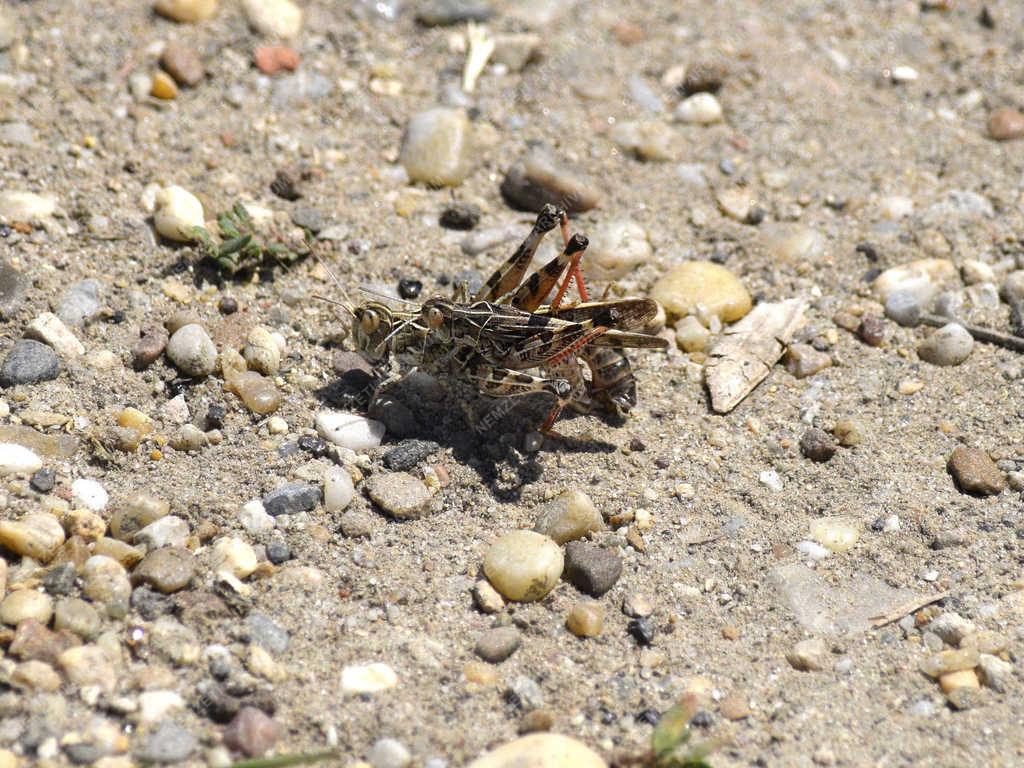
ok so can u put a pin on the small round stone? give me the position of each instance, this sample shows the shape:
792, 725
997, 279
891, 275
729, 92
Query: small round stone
437, 147
186, 11
543, 750
401, 495
523, 565
274, 18
77, 616
496, 645
26, 604
809, 655
291, 499
817, 445
872, 331
591, 568
178, 211
903, 307
693, 284
540, 178
251, 732
700, 109
16, 459
38, 536
569, 516
105, 581
461, 216
389, 753
586, 619
278, 552
642, 630
235, 556
1006, 124
836, 534
29, 362
192, 351
338, 489
227, 305
975, 472
183, 64
349, 430
949, 345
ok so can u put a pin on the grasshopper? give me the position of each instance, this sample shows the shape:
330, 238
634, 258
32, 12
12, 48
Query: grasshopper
497, 336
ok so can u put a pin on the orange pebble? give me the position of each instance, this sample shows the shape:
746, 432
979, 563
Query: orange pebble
273, 58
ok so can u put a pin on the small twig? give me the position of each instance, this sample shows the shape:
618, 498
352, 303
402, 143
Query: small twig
909, 607
1005, 340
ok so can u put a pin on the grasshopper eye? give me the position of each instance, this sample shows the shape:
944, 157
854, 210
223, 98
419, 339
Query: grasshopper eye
435, 317
370, 321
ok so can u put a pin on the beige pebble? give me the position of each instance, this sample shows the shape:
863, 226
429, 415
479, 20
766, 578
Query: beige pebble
38, 536
177, 212
694, 285
569, 516
187, 11
541, 750
26, 604
836, 534
523, 565
586, 619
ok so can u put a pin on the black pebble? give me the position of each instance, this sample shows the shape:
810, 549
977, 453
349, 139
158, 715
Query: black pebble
227, 305
43, 480
869, 251
649, 716
642, 631
409, 288
702, 719
60, 580
460, 216
215, 416
313, 445
278, 552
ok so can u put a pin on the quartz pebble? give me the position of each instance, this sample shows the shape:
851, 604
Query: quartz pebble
496, 645
187, 11
78, 616
895, 207
975, 472
569, 516
274, 18
89, 494
18, 460
487, 598
523, 565
691, 335
81, 304
33, 675
700, 109
921, 279
937, 664
135, 514
617, 247
170, 743
105, 581
995, 673
26, 604
26, 206
952, 628
437, 148
836, 534
803, 360
585, 619
389, 753
257, 392
177, 212
183, 64
541, 750
646, 140
349, 430
591, 568
262, 351
29, 362
539, 178
401, 495
50, 329
163, 87
792, 244
88, 665
251, 732
1006, 124
165, 532
809, 655
235, 556
702, 286
192, 352
367, 678
167, 570
903, 307
38, 536
338, 489
949, 345
155, 706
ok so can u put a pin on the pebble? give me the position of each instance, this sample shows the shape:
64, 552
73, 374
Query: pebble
349, 430
235, 556
895, 207
1006, 124
792, 244
104, 580
409, 453
651, 140
459, 215
26, 604
437, 148
262, 351
836, 534
192, 351
278, 552
257, 393
809, 655
541, 750
699, 109
81, 304
356, 524
401, 495
169, 531
586, 619
26, 206
89, 494
88, 665
937, 664
975, 472
951, 628
186, 11
183, 64
50, 329
78, 616
617, 247
291, 499
691, 335
177, 212
486, 598
18, 460
271, 59
59, 580
35, 676
367, 678
446, 13
995, 673
167, 570
37, 535
338, 489
702, 286
496, 645
849, 432
921, 279
135, 514
29, 362
737, 203
251, 732
523, 565
903, 307
871, 331
169, 743
735, 706
12, 290
539, 178
803, 360
569, 516
274, 18
591, 568
949, 345
961, 678
817, 445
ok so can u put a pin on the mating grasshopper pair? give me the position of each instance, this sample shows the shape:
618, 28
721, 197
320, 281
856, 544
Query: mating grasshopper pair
496, 336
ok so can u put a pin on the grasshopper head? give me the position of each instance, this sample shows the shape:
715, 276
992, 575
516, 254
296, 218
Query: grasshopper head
434, 316
372, 324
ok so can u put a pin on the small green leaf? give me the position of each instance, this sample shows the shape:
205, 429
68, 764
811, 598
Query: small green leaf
672, 729
234, 245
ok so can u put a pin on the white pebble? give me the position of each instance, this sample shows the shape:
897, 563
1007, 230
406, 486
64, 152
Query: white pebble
895, 207
274, 18
388, 753
254, 518
177, 212
338, 489
949, 345
154, 706
89, 494
349, 430
166, 532
367, 678
904, 74
17, 459
50, 329
276, 425
616, 248
26, 206
192, 351
837, 534
234, 556
701, 108
186, 11
812, 550
770, 479
523, 565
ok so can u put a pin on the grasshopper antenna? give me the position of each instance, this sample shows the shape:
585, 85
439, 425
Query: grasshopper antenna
346, 303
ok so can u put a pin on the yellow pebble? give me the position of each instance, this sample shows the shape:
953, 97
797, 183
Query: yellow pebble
163, 87
156, 455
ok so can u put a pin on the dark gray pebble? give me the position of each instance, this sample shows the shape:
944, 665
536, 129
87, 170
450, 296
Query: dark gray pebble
29, 362
291, 499
592, 569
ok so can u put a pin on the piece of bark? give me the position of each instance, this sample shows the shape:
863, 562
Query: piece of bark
744, 355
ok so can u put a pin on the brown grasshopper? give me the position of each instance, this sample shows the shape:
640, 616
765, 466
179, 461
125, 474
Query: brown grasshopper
502, 332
